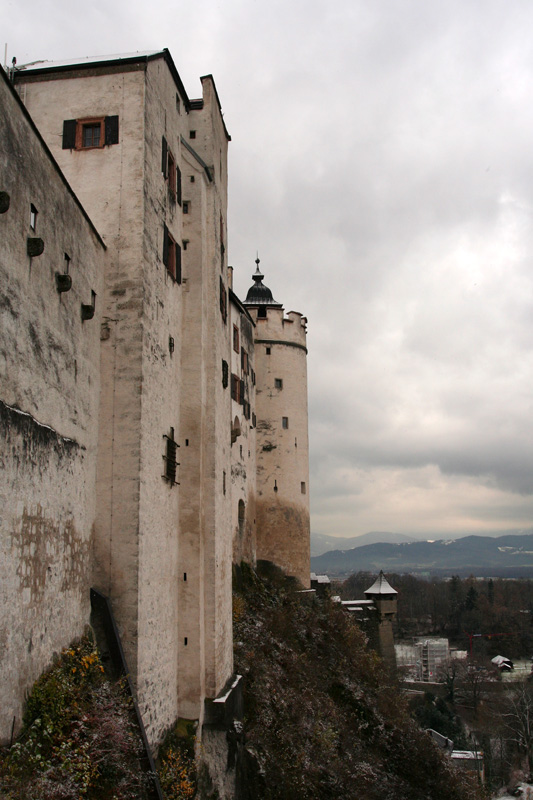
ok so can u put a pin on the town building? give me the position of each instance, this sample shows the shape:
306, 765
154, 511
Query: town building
138, 401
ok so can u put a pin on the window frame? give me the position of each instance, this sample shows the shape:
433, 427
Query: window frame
236, 339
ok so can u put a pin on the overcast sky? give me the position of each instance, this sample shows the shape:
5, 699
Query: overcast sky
382, 164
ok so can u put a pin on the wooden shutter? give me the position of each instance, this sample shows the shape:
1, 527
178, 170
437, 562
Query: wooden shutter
178, 184
111, 130
164, 158
69, 134
241, 392
178, 263
165, 245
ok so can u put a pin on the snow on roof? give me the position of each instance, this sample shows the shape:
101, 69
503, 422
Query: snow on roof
467, 754
381, 586
74, 62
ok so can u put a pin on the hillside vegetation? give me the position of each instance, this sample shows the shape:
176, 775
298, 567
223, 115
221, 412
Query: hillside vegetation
323, 719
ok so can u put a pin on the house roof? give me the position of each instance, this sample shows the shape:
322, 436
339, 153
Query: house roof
119, 59
381, 586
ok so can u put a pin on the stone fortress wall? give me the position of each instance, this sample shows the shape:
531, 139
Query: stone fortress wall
131, 457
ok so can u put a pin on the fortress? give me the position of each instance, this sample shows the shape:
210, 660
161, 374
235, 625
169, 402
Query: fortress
153, 426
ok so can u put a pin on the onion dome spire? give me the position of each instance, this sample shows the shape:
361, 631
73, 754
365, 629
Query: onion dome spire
259, 294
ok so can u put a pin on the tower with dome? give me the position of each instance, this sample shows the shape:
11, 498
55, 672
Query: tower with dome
282, 443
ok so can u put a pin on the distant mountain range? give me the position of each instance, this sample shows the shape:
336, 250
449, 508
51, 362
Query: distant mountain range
321, 543
505, 556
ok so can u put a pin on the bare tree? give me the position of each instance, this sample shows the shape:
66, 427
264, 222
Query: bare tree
517, 716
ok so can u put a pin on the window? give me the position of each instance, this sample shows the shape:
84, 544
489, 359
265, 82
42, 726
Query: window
244, 361
171, 256
285, 422
303, 487
261, 312
241, 513
170, 458
33, 217
90, 133
171, 174
236, 385
185, 244
224, 482
254, 420
268, 351
192, 134
278, 383
171, 171
223, 301
225, 374
236, 338
186, 207
191, 178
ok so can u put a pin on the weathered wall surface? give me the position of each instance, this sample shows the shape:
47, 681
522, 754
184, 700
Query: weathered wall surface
103, 178
282, 442
213, 548
243, 448
49, 367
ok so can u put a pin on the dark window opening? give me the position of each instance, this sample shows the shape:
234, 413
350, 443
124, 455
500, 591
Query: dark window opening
268, 351
285, 422
303, 487
224, 482
236, 338
262, 312
184, 576
186, 206
225, 374
170, 458
192, 134
223, 301
185, 243
33, 217
242, 516
191, 178
278, 383
185, 640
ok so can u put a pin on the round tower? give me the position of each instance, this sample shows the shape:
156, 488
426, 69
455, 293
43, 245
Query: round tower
282, 437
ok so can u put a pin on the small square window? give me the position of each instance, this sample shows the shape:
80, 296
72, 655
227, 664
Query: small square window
268, 351
261, 312
278, 383
285, 422
192, 134
191, 178
33, 217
